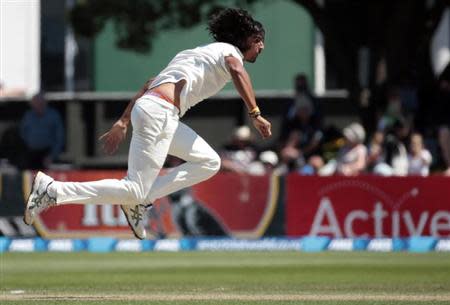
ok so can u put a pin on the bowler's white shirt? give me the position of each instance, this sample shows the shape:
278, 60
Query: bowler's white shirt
203, 69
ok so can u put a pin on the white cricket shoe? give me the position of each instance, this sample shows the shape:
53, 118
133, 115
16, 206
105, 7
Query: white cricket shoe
39, 199
136, 217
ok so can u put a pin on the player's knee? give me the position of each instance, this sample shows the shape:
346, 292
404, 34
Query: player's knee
213, 163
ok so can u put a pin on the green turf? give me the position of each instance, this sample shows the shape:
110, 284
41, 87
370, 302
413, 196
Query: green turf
225, 278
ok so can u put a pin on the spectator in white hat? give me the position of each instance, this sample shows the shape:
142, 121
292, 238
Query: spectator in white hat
351, 159
240, 152
266, 164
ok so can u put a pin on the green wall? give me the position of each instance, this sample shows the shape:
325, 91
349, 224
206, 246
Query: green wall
289, 50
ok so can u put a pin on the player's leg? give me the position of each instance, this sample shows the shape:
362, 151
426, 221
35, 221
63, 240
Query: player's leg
138, 159
202, 162
153, 129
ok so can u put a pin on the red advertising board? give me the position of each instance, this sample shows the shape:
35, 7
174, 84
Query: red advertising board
241, 205
367, 206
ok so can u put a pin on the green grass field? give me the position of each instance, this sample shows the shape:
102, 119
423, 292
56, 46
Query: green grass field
225, 278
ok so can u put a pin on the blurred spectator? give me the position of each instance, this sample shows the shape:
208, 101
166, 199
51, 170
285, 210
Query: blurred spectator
352, 157
409, 98
303, 96
266, 164
419, 158
375, 150
304, 138
443, 121
240, 152
269, 159
291, 156
331, 143
395, 157
392, 113
42, 131
313, 166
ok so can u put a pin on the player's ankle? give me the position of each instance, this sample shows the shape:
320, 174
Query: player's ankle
52, 190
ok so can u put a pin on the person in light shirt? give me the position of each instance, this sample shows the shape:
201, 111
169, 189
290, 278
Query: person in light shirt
192, 76
419, 158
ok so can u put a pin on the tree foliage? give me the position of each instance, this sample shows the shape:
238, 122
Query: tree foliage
398, 32
137, 22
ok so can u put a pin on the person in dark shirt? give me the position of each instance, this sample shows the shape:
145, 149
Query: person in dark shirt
443, 121
42, 131
304, 137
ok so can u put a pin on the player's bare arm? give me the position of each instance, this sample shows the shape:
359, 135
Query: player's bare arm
112, 138
243, 84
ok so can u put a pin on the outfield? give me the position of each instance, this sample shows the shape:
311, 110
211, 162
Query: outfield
225, 278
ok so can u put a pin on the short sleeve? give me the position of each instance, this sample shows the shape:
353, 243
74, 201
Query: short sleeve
226, 50
230, 50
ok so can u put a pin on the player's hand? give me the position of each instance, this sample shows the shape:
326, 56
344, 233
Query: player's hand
263, 126
114, 137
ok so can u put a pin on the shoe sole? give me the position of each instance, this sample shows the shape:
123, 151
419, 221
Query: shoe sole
27, 219
129, 224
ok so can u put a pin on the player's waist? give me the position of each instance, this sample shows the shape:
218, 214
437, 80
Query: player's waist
156, 98
155, 92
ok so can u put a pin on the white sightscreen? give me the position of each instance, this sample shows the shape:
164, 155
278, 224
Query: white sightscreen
20, 45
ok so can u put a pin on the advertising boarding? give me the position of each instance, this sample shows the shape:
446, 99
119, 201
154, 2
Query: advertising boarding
368, 206
226, 205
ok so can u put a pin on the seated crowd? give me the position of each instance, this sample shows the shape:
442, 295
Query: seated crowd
396, 146
385, 154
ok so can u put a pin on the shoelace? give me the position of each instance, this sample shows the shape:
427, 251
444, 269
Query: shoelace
40, 198
137, 213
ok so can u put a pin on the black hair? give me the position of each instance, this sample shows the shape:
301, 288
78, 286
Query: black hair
234, 26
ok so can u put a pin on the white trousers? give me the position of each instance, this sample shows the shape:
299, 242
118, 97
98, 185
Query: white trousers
157, 132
